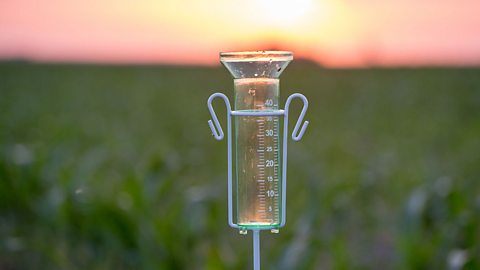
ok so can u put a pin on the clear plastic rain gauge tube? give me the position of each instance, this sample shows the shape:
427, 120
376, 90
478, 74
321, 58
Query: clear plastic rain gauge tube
257, 155
258, 152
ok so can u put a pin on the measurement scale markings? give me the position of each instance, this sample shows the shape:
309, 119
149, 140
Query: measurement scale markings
263, 130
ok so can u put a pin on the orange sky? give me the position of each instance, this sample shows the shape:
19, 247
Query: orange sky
336, 33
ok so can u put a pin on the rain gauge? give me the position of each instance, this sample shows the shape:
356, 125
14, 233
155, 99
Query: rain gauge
258, 151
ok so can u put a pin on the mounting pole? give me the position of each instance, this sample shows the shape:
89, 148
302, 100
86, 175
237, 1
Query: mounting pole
256, 250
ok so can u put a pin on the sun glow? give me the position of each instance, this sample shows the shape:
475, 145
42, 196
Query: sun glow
285, 12
335, 33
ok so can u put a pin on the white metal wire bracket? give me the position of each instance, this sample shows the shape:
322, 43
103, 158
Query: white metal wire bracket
297, 135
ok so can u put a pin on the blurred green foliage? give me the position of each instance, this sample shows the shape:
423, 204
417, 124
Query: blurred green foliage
106, 167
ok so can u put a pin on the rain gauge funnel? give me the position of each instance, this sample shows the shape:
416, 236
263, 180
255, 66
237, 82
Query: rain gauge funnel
264, 64
257, 187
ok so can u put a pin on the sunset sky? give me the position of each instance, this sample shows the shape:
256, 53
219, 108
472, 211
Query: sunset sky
335, 33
